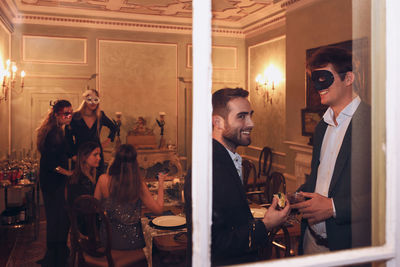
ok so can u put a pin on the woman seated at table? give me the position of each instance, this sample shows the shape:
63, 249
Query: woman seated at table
83, 179
122, 192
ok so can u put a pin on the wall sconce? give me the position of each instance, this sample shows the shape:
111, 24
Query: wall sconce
9, 76
266, 82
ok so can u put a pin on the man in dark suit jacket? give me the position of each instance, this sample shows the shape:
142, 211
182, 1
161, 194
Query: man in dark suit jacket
337, 214
235, 234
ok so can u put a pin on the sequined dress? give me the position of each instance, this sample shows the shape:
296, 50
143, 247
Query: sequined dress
126, 226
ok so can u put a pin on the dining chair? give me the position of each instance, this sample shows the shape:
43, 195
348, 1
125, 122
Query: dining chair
87, 243
279, 241
249, 174
275, 183
264, 163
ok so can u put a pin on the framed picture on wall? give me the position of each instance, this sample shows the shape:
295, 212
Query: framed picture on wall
309, 120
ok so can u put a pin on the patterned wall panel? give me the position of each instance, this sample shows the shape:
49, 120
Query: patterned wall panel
55, 50
269, 118
145, 76
223, 57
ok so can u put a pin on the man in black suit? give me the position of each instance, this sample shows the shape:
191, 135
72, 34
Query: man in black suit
236, 235
337, 212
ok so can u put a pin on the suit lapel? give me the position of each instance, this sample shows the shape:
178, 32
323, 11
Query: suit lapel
319, 137
226, 158
342, 158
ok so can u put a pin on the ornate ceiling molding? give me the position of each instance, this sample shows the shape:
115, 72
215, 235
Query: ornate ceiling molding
262, 14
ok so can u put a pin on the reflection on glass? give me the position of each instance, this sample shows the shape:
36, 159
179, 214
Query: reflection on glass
335, 86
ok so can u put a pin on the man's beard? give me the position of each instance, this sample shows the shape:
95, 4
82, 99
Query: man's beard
233, 137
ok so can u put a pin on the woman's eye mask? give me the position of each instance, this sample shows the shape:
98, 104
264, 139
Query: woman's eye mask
322, 79
92, 100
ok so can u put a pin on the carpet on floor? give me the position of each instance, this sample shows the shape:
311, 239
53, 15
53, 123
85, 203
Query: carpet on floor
26, 250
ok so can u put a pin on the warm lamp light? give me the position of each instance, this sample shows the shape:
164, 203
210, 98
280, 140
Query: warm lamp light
266, 82
9, 76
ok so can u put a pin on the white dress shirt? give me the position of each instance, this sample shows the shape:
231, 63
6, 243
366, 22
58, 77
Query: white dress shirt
237, 160
330, 148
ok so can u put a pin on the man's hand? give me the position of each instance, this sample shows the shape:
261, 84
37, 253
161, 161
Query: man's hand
274, 217
317, 209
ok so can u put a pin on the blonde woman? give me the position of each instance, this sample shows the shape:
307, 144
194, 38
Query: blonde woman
53, 149
86, 125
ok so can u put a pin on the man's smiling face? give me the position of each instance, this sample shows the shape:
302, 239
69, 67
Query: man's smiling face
238, 123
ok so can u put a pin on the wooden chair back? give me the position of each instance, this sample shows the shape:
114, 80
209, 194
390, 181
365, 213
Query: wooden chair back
280, 240
275, 183
265, 162
249, 175
85, 214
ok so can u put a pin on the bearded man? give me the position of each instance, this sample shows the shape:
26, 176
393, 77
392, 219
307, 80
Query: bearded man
236, 235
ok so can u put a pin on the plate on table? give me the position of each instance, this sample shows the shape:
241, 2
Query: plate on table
258, 213
169, 222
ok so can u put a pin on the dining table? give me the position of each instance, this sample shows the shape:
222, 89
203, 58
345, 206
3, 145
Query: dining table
173, 210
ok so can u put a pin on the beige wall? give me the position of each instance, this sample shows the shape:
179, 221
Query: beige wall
125, 81
314, 25
269, 117
138, 75
4, 105
322, 23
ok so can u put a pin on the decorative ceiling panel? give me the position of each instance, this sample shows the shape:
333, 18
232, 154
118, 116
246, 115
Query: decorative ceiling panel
228, 10
234, 18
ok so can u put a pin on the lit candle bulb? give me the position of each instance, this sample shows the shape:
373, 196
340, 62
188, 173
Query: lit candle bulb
22, 78
14, 71
8, 75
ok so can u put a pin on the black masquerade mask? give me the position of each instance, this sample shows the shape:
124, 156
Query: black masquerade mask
322, 79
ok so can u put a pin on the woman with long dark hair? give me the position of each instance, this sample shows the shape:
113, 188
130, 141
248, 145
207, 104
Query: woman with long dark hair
54, 151
83, 179
86, 125
122, 192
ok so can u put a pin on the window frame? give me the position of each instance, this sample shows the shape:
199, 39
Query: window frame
384, 16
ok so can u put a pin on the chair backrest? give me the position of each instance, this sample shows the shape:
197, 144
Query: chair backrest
85, 213
279, 239
265, 162
275, 183
249, 175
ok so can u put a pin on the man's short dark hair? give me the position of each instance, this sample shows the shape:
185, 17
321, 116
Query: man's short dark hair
340, 58
221, 98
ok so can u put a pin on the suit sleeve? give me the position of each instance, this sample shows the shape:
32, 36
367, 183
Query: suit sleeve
228, 239
110, 125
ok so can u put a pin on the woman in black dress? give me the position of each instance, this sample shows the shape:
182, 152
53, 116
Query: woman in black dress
53, 149
86, 125
83, 179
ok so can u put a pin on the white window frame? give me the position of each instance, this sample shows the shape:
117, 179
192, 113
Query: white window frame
202, 149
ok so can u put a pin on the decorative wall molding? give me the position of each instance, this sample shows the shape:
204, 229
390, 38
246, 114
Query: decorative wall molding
6, 15
302, 162
275, 166
50, 45
58, 77
102, 24
232, 49
274, 152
